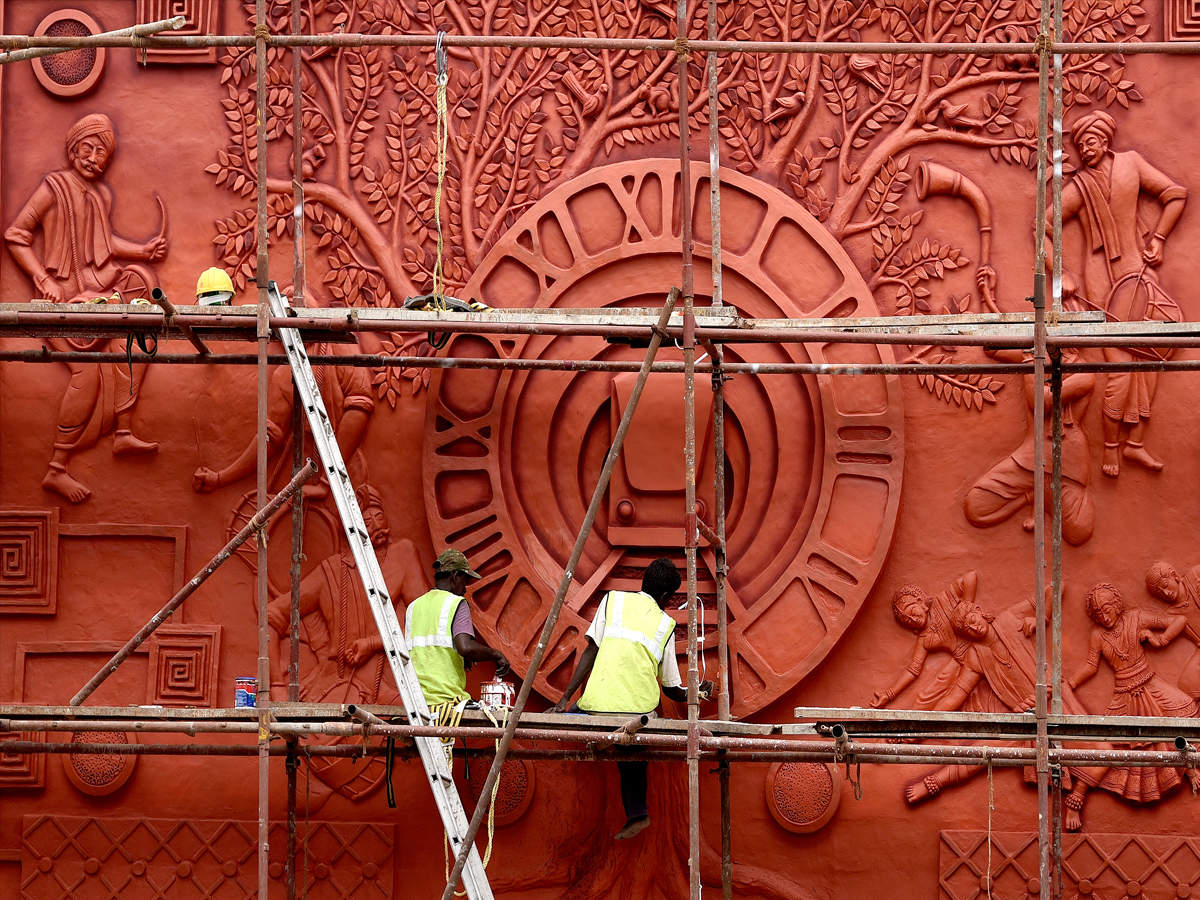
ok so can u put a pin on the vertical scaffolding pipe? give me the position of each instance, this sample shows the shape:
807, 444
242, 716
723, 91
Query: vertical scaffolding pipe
589, 518
691, 531
1056, 418
263, 700
293, 760
718, 389
1042, 765
1056, 399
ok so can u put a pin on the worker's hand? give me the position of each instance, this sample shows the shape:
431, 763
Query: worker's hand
502, 666
706, 690
205, 480
561, 705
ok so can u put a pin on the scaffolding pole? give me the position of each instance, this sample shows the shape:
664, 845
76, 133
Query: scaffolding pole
599, 44
691, 745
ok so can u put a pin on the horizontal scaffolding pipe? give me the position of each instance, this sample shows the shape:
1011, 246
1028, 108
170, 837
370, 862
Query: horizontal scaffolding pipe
634, 44
33, 323
134, 33
806, 748
368, 360
599, 750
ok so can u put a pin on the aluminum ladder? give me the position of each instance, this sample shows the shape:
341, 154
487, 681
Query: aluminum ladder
445, 794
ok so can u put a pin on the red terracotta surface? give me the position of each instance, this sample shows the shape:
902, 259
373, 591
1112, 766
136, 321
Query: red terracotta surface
856, 185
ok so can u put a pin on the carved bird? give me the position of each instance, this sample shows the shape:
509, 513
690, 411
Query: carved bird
862, 66
591, 100
786, 106
955, 115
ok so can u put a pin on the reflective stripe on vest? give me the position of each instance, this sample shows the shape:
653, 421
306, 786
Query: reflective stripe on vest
625, 675
427, 624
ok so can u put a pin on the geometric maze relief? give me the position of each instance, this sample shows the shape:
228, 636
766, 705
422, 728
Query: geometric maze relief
1181, 20
183, 665
200, 17
28, 561
1095, 866
20, 772
80, 857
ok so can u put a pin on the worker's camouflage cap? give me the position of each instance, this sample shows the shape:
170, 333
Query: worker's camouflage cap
451, 561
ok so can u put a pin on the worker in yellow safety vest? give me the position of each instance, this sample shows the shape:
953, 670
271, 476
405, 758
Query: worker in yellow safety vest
441, 635
630, 650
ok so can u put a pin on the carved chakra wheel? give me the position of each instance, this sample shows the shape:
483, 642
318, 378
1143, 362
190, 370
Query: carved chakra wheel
814, 464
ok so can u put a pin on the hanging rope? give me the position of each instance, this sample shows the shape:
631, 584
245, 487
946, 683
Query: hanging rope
441, 140
450, 714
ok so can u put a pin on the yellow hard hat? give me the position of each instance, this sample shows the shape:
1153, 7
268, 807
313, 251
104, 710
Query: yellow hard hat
214, 287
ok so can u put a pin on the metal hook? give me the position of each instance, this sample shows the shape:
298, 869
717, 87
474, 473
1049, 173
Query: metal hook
439, 55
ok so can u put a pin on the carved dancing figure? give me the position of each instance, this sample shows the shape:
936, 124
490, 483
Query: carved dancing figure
929, 618
1138, 690
72, 208
1182, 594
1118, 263
996, 675
1007, 487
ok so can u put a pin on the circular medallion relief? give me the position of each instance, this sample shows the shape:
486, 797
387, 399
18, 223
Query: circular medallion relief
514, 792
814, 464
99, 774
75, 72
803, 797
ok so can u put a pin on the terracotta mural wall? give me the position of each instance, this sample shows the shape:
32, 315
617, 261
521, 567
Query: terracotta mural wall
879, 528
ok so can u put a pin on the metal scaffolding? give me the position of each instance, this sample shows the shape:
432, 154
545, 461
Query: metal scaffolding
842, 735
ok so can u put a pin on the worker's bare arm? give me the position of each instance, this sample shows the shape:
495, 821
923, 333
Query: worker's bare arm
582, 670
473, 650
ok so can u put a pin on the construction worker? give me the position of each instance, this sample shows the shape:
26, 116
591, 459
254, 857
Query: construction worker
214, 287
442, 638
630, 650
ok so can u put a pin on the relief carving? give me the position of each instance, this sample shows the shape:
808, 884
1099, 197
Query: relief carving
350, 400
1131, 865
1116, 637
81, 258
1007, 487
344, 662
814, 466
991, 669
67, 857
1117, 262
28, 561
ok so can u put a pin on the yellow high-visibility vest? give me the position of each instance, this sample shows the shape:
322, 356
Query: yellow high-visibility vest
440, 670
625, 675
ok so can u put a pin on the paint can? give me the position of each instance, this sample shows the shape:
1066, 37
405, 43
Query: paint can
245, 690
497, 693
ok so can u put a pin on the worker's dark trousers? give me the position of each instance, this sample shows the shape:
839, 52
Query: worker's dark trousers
633, 788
